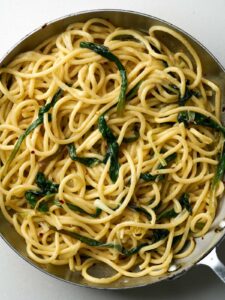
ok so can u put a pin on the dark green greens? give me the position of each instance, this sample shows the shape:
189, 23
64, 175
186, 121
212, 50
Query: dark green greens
94, 243
134, 137
167, 214
173, 89
113, 148
45, 185
187, 95
185, 203
47, 189
104, 52
195, 118
170, 213
133, 92
44, 109
149, 177
87, 161
220, 170
82, 211
140, 210
159, 234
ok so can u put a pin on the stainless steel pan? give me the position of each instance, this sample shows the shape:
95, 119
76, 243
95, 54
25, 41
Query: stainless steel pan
205, 251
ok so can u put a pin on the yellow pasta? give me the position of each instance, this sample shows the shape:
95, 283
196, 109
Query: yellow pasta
135, 198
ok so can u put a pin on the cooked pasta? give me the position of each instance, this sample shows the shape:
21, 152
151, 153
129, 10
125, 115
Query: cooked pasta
109, 150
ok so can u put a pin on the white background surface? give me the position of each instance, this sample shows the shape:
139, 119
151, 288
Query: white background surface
204, 19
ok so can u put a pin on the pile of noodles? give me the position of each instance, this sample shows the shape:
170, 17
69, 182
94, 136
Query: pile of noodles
131, 208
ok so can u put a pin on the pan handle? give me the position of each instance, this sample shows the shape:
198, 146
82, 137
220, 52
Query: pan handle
213, 262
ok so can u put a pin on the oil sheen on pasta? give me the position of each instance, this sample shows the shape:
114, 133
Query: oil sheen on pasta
133, 197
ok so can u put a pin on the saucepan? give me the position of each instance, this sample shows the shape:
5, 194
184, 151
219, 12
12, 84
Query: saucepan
205, 250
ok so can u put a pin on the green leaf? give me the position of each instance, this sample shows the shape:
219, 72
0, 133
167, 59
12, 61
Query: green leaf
173, 89
16, 148
141, 210
187, 95
33, 125
46, 186
133, 138
105, 130
32, 197
159, 234
133, 92
220, 169
87, 161
94, 243
104, 52
134, 250
82, 211
196, 93
168, 159
113, 148
47, 190
167, 214
113, 152
195, 118
170, 213
149, 177
43, 207
184, 201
